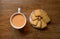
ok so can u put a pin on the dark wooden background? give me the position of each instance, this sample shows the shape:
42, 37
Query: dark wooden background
9, 7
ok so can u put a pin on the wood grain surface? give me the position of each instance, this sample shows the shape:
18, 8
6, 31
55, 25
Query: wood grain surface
9, 7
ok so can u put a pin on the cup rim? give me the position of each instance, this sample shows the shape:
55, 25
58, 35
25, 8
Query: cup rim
14, 25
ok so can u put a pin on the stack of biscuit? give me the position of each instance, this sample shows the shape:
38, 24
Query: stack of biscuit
39, 19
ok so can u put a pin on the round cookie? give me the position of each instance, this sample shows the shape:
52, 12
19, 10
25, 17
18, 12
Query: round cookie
39, 19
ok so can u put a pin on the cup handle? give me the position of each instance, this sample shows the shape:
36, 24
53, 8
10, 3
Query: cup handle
19, 10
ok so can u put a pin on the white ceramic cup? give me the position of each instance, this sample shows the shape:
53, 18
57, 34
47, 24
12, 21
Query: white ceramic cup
16, 14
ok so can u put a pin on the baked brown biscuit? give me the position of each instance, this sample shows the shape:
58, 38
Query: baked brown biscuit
40, 19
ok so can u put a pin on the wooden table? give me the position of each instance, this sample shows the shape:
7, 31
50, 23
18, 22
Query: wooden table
9, 7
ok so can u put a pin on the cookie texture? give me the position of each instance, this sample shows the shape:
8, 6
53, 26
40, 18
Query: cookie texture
40, 19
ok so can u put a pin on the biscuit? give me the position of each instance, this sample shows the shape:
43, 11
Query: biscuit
40, 19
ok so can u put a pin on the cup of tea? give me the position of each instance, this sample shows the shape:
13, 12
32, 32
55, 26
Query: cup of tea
18, 20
